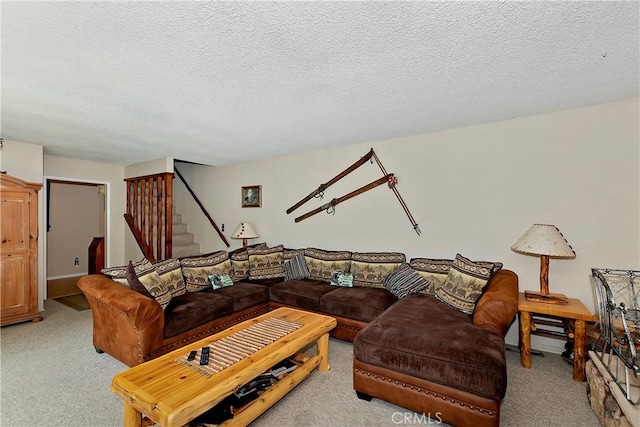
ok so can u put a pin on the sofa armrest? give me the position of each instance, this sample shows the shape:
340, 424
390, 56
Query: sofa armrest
498, 305
126, 324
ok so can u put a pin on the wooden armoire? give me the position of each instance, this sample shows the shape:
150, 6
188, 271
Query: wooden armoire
18, 250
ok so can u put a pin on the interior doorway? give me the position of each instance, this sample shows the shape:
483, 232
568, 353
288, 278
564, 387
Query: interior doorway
75, 214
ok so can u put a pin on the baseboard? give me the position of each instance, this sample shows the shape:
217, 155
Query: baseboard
66, 276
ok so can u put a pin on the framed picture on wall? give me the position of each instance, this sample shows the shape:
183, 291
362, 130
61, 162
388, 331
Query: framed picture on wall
252, 196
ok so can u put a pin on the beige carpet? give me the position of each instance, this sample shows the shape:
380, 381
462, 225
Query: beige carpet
52, 376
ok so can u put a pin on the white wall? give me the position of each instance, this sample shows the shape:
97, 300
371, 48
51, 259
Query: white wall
22, 160
75, 212
473, 190
110, 175
152, 167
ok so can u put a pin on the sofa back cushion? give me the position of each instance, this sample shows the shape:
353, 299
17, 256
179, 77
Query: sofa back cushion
433, 270
370, 268
240, 261
266, 263
196, 270
322, 264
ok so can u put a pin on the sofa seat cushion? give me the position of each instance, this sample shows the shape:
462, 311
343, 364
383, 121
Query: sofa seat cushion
425, 338
305, 293
245, 295
193, 309
364, 304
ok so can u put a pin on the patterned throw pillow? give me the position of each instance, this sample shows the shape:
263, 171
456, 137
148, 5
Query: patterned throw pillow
266, 263
170, 272
370, 268
240, 261
147, 277
220, 281
196, 270
117, 274
465, 283
433, 270
405, 281
240, 265
296, 268
322, 264
341, 279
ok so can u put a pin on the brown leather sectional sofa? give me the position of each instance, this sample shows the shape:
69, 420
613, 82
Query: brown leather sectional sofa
416, 352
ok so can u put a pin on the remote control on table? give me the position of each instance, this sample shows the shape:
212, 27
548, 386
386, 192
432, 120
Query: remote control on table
192, 355
204, 356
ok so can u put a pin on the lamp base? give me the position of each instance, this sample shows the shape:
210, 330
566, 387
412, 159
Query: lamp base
547, 299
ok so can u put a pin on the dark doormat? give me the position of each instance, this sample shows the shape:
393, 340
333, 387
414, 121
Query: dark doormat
77, 302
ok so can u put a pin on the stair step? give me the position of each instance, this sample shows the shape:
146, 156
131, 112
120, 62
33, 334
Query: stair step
182, 239
179, 228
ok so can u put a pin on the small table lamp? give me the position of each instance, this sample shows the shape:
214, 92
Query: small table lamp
244, 231
547, 241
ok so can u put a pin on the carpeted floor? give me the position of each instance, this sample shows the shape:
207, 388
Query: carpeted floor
50, 375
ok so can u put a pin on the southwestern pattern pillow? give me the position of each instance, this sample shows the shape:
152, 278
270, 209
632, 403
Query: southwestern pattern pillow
370, 268
147, 276
170, 272
296, 268
322, 264
266, 263
464, 284
240, 261
117, 274
196, 270
240, 265
433, 270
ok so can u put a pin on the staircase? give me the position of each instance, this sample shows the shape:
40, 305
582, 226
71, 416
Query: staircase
151, 217
183, 241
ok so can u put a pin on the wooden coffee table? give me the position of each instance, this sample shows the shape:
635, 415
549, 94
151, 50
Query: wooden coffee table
172, 391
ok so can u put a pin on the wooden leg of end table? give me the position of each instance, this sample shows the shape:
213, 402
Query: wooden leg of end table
525, 339
579, 347
132, 418
323, 352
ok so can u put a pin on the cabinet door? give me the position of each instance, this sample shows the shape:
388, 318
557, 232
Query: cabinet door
14, 250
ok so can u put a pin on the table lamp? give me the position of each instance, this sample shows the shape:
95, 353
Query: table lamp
244, 231
546, 241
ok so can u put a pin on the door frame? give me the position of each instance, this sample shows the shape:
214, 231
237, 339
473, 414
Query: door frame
43, 225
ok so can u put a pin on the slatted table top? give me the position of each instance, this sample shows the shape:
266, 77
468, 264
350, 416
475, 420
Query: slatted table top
171, 391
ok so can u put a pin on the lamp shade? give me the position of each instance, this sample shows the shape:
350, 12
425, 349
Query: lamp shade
544, 239
245, 231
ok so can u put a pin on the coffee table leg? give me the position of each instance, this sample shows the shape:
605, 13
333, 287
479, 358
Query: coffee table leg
323, 352
579, 345
132, 418
525, 339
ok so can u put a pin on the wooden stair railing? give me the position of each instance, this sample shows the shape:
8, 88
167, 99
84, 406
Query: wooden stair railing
204, 210
150, 214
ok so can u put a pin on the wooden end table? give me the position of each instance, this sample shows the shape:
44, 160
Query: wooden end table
575, 311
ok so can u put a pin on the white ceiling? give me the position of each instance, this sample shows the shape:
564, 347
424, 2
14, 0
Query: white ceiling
222, 82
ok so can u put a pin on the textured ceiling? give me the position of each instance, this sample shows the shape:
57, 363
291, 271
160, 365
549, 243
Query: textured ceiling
222, 82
